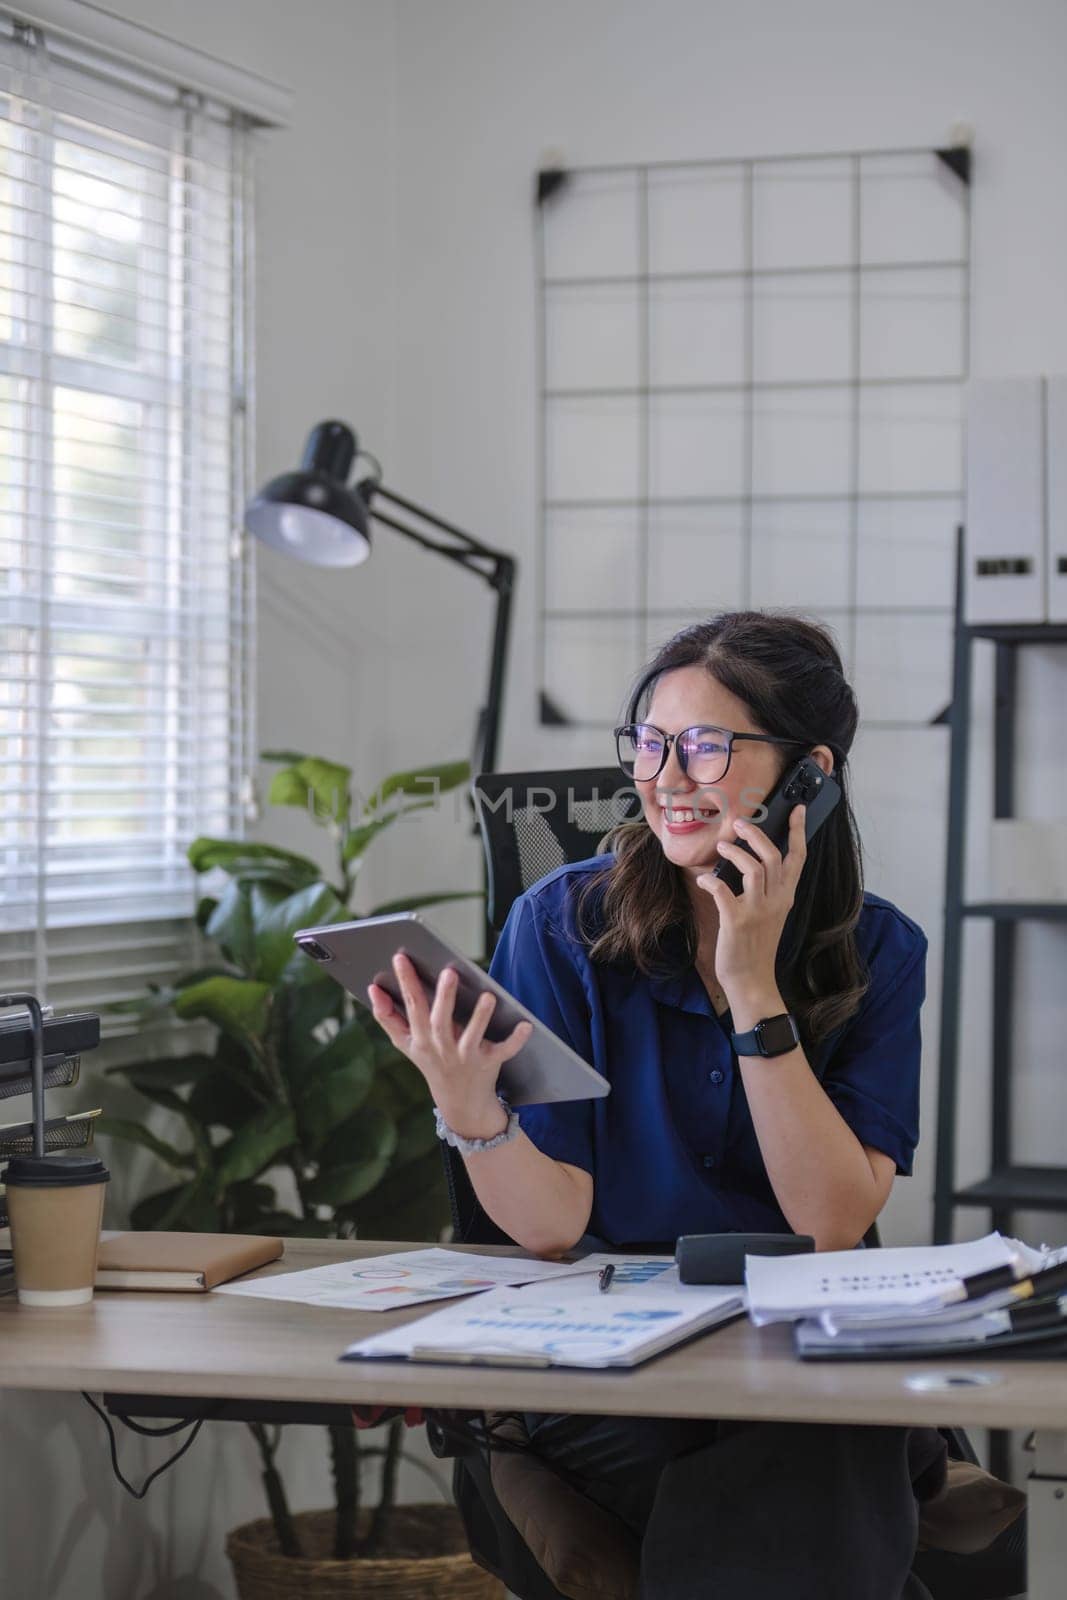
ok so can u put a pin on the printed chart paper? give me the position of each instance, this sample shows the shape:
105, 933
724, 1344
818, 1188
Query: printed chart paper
555, 1324
404, 1278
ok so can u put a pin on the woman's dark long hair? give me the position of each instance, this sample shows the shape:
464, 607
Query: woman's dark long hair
788, 673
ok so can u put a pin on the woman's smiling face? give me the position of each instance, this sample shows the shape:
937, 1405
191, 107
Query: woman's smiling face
687, 819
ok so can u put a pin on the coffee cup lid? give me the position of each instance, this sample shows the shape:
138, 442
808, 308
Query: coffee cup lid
53, 1172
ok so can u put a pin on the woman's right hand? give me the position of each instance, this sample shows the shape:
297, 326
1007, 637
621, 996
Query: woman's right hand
459, 1064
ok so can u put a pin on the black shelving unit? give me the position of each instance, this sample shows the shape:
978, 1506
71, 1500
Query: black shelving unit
1009, 1186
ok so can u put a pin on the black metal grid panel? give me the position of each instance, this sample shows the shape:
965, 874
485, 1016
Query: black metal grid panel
864, 292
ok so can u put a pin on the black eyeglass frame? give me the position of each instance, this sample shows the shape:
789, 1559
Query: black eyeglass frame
670, 739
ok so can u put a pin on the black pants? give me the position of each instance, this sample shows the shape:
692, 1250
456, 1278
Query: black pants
754, 1511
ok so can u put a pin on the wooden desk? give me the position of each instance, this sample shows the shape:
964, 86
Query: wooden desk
228, 1346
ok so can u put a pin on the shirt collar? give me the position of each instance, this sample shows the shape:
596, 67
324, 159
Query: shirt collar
683, 990
680, 986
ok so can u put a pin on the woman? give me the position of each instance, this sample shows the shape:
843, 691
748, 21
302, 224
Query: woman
656, 973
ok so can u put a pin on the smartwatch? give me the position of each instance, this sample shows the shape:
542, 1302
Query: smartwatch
774, 1036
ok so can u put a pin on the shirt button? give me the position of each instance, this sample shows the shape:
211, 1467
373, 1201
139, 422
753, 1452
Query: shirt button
716, 1076
708, 1161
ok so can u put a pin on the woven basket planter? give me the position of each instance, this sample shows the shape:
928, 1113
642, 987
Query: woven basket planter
426, 1555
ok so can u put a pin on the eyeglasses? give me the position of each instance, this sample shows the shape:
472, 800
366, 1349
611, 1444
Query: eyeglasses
703, 752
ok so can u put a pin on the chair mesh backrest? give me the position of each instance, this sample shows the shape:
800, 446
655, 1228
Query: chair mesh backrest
533, 822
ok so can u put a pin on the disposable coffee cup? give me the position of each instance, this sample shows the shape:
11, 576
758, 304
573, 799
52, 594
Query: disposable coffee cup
55, 1206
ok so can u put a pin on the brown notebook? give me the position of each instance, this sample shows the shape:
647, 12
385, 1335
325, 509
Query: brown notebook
195, 1261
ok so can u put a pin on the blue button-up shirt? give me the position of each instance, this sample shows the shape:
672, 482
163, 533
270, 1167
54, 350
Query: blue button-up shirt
672, 1148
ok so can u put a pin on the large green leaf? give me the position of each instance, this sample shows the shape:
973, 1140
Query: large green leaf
230, 925
220, 1100
278, 959
359, 1155
160, 997
186, 1203
415, 902
137, 1133
321, 788
255, 1147
370, 1133
289, 757
343, 1185
204, 907
410, 1202
306, 1006
416, 1136
239, 1006
399, 1086
438, 779
148, 1212
172, 1073
337, 1082
244, 858
350, 1043
288, 789
247, 1202
171, 1101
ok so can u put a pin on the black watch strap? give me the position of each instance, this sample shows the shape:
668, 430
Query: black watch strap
774, 1036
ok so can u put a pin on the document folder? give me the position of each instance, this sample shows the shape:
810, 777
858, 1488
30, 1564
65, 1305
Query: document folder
1035, 1344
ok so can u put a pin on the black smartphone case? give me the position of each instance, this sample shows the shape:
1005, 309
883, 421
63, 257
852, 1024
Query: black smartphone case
802, 784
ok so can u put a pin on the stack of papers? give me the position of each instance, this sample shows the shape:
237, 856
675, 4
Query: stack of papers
882, 1300
565, 1323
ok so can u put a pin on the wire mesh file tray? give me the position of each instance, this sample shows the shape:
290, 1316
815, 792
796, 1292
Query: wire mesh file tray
60, 1133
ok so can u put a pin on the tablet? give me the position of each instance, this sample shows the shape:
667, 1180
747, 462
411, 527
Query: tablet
361, 953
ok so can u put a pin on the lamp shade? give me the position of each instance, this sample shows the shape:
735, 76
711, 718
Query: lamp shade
312, 513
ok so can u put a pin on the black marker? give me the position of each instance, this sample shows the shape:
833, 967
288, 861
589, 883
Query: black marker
983, 1283
604, 1281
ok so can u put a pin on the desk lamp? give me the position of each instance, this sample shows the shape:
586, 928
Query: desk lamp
316, 516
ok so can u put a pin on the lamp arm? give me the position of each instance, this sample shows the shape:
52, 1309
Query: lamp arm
468, 558
503, 581
434, 521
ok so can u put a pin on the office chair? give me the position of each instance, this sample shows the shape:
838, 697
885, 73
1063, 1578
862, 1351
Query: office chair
531, 823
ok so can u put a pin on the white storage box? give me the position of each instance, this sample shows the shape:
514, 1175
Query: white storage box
1028, 860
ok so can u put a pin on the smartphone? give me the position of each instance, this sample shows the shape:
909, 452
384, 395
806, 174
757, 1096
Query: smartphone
805, 784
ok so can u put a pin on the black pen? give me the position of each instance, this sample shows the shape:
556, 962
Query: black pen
606, 1275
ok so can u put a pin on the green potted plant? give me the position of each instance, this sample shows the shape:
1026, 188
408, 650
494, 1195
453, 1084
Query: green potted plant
302, 1120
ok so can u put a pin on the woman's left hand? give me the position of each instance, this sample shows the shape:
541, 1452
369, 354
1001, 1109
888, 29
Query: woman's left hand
751, 923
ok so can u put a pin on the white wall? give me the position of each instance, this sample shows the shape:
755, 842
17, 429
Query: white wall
485, 89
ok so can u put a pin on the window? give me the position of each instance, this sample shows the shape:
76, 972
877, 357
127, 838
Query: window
125, 585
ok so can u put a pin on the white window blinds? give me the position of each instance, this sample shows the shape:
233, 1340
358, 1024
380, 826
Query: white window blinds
125, 602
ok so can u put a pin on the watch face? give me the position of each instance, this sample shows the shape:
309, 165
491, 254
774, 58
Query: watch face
777, 1035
